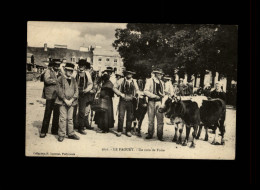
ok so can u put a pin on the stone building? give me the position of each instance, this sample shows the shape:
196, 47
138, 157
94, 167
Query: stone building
42, 54
103, 58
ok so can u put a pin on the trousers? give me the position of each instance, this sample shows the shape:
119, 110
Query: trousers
152, 113
49, 108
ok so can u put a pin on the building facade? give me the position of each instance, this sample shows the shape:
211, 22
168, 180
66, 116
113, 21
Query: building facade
107, 58
42, 54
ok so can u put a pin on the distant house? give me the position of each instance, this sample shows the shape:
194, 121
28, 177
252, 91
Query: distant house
103, 58
42, 55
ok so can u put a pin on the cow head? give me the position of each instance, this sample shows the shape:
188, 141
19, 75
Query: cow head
173, 107
166, 103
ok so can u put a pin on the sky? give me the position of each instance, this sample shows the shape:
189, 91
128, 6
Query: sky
72, 34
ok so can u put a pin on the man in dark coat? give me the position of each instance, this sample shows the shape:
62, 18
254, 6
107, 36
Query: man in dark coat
50, 94
85, 85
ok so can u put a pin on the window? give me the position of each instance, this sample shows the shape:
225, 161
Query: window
100, 59
107, 59
115, 60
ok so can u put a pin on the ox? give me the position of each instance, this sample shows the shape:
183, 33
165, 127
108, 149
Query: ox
182, 112
212, 115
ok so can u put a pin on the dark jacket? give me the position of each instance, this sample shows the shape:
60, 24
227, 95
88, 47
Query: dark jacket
87, 85
66, 90
214, 94
50, 85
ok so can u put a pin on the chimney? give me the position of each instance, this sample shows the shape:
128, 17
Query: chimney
45, 47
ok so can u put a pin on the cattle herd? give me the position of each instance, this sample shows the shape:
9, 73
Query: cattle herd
195, 112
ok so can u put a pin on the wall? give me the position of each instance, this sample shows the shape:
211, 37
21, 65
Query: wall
101, 65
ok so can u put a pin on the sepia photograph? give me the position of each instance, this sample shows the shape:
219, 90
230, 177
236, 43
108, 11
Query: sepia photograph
131, 90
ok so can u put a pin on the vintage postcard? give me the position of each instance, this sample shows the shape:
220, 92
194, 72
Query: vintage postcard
131, 90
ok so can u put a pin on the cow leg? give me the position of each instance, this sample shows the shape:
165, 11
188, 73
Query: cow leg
195, 127
140, 121
199, 132
187, 136
175, 135
206, 133
180, 134
222, 132
215, 142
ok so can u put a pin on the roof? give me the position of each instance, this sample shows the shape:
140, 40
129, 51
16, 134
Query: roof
106, 52
56, 53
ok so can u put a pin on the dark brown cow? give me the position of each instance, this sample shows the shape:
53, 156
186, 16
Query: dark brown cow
212, 115
182, 112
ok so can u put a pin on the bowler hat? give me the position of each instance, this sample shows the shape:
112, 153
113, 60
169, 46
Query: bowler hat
108, 69
54, 62
83, 62
69, 66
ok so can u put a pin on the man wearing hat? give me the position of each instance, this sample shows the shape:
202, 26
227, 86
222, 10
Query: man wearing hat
85, 85
154, 90
50, 78
67, 99
128, 86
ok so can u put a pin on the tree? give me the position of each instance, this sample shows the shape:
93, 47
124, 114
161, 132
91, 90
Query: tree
192, 49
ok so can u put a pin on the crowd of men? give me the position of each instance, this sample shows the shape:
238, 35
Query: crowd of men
70, 92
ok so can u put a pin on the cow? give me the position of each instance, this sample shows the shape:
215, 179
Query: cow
140, 108
182, 112
212, 115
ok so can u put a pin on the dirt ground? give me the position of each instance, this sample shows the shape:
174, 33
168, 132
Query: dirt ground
109, 145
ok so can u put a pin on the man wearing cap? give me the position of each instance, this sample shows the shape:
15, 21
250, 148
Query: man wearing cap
85, 85
154, 90
67, 99
218, 92
50, 94
129, 88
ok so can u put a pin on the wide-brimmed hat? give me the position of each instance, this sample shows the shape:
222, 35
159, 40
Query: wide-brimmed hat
69, 66
54, 62
108, 69
129, 72
158, 70
83, 62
